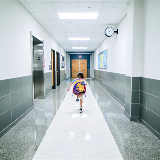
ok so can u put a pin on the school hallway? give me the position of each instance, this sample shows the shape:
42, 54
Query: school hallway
55, 129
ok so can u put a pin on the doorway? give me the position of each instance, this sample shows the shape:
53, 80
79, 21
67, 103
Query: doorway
79, 65
53, 69
38, 67
58, 68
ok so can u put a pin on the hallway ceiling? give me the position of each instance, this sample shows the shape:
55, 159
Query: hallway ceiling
111, 12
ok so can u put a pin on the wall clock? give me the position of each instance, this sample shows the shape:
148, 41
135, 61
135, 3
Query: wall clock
109, 31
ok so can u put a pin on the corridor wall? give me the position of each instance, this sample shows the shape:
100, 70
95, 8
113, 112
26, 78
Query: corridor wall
133, 76
150, 77
16, 96
113, 79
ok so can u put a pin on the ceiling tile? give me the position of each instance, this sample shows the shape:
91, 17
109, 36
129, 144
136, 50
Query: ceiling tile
47, 15
85, 34
65, 7
98, 37
84, 44
95, 7
64, 37
22, 1
35, 15
113, 7
66, 44
79, 35
90, 1
117, 1
68, 1
109, 15
72, 34
100, 28
86, 28
70, 27
42, 7
61, 41
122, 15
69, 21
27, 7
87, 21
46, 21
106, 21
57, 31
54, 27
29, 1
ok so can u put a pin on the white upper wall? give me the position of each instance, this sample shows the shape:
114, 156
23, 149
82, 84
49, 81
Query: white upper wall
117, 48
151, 40
15, 57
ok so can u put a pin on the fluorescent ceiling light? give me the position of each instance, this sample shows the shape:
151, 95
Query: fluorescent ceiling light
81, 15
79, 47
79, 39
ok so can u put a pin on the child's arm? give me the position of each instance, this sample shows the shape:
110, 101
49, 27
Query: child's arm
70, 86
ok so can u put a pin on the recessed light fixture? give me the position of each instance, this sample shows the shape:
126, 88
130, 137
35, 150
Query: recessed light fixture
79, 47
80, 39
78, 15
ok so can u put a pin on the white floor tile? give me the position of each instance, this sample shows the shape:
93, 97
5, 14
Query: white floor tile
74, 135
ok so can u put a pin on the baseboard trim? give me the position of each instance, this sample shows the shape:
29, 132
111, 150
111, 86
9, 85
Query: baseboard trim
4, 131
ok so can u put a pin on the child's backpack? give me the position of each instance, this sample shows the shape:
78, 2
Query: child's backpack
79, 87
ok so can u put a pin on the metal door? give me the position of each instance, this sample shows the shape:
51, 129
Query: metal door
38, 71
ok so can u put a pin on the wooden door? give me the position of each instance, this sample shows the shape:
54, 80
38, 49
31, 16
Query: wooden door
75, 67
83, 67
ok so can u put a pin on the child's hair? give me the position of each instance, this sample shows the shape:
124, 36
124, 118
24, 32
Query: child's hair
80, 75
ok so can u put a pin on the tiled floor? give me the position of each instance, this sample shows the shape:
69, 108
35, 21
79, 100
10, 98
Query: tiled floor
75, 135
135, 142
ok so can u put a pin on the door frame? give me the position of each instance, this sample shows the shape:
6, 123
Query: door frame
58, 67
53, 68
32, 34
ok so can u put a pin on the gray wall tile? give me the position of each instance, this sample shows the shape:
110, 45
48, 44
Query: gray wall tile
27, 104
154, 87
16, 84
4, 87
143, 112
143, 98
153, 103
18, 89
135, 83
16, 98
121, 78
5, 120
135, 110
135, 96
5, 104
26, 81
17, 111
27, 92
144, 84
153, 120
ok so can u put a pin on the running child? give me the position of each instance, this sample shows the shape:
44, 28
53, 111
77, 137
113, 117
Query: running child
80, 76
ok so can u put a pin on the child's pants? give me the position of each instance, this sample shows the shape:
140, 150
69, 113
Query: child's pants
80, 97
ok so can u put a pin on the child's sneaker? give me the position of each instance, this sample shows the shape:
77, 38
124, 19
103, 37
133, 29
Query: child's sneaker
80, 110
77, 99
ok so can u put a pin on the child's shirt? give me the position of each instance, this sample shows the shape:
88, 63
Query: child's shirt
78, 79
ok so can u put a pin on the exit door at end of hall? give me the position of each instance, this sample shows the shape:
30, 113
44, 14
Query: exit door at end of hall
79, 65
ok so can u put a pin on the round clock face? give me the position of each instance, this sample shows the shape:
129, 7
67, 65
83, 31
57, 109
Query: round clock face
109, 31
